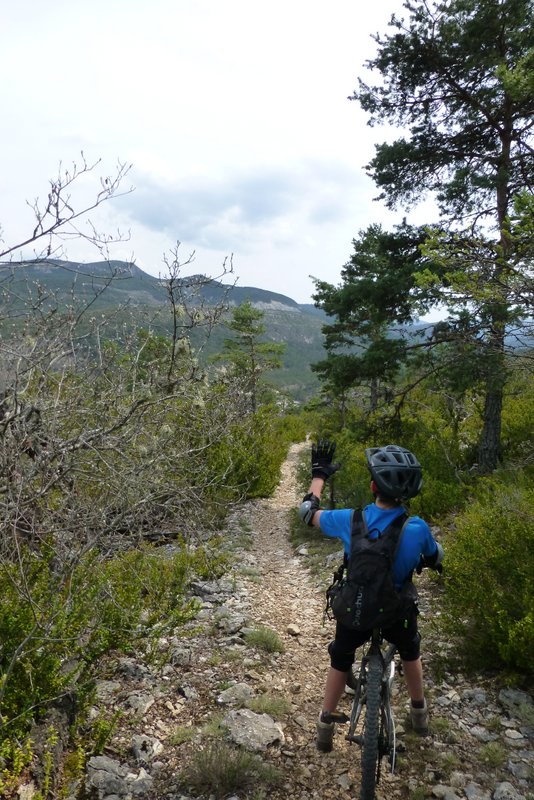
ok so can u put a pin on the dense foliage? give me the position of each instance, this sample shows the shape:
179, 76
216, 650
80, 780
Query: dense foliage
55, 630
490, 574
107, 445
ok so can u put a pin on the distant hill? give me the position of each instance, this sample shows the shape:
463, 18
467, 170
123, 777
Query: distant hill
114, 285
112, 282
125, 281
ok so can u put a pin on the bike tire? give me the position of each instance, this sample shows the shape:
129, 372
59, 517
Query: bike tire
370, 749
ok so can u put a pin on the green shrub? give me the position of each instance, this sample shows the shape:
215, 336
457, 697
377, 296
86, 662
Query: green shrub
102, 730
221, 770
215, 728
19, 757
439, 444
247, 461
265, 639
256, 448
292, 428
493, 755
490, 574
182, 734
419, 793
440, 494
517, 414
270, 704
54, 631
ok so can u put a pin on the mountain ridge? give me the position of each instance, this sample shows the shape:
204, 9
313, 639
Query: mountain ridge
57, 274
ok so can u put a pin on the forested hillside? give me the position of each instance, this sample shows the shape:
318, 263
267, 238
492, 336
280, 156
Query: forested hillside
140, 416
129, 298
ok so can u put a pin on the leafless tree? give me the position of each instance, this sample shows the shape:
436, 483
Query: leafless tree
105, 441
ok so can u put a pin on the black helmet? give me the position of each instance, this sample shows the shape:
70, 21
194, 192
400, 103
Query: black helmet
396, 472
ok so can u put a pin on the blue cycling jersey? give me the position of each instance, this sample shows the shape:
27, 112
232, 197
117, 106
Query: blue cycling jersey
417, 540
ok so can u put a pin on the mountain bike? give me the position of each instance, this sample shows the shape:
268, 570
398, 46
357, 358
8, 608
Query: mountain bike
371, 723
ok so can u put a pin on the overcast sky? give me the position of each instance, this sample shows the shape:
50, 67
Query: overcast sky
234, 116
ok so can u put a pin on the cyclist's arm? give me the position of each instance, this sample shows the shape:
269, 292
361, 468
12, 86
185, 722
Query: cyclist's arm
432, 552
434, 561
316, 488
334, 524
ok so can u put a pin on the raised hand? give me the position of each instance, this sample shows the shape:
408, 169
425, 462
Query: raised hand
321, 459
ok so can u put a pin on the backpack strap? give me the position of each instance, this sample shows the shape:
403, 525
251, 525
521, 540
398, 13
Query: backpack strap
358, 523
405, 520
396, 527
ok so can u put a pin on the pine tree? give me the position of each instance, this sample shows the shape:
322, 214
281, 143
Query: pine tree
457, 76
249, 355
377, 297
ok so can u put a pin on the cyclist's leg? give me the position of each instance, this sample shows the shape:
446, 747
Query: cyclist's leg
413, 675
334, 688
341, 651
407, 638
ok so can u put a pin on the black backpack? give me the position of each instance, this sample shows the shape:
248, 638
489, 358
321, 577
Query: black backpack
366, 596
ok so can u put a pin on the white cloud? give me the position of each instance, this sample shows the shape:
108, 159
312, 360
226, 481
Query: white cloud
234, 115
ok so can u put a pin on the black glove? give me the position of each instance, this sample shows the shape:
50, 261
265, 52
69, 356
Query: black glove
321, 459
424, 563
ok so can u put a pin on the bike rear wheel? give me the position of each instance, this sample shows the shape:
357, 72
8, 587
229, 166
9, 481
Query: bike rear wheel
370, 750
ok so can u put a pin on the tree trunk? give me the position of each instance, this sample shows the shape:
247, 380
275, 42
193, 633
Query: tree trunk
490, 440
373, 400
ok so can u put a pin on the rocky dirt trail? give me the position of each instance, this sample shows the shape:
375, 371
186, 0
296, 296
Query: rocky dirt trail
481, 747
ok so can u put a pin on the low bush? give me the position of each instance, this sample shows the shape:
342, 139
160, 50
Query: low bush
18, 756
490, 574
273, 434
265, 639
493, 755
54, 630
182, 734
247, 460
219, 770
273, 705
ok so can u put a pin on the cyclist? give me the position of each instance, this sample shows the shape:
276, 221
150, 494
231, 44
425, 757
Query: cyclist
396, 476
